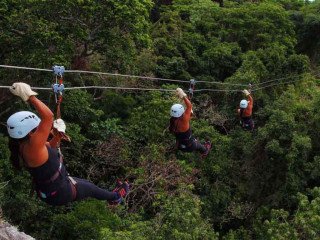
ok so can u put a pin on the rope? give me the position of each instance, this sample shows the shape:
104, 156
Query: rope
121, 75
217, 90
155, 89
26, 68
274, 84
273, 80
223, 83
99, 73
150, 78
101, 87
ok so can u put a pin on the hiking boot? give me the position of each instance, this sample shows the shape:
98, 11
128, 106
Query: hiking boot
208, 146
122, 189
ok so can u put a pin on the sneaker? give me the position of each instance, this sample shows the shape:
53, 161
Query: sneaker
122, 189
208, 146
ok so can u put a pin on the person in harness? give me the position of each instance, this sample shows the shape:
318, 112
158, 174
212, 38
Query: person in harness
245, 111
180, 127
28, 144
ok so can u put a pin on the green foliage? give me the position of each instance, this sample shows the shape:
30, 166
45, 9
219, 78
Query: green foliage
149, 120
253, 185
307, 23
302, 224
181, 219
84, 222
79, 108
103, 130
116, 105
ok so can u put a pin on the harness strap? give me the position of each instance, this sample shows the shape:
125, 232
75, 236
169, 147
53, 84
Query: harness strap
55, 175
73, 187
73, 190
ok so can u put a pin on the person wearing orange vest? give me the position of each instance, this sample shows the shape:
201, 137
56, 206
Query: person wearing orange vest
28, 143
180, 127
245, 111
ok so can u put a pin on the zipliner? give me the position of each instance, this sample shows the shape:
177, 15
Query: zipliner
245, 111
28, 142
180, 127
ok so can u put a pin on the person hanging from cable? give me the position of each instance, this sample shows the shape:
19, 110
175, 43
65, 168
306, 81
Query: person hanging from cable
245, 111
180, 127
28, 144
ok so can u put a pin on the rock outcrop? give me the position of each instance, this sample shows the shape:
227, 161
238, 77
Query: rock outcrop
8, 232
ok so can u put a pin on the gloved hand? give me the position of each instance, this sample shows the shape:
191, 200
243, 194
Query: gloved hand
246, 92
59, 125
22, 90
180, 93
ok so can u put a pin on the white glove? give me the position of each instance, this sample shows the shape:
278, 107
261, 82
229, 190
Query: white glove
22, 90
246, 92
180, 93
59, 125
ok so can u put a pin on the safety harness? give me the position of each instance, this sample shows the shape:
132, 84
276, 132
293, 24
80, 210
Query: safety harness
51, 180
184, 139
58, 89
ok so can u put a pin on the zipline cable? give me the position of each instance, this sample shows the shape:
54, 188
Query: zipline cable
122, 75
26, 68
101, 87
154, 89
150, 78
217, 90
128, 88
223, 83
274, 84
273, 80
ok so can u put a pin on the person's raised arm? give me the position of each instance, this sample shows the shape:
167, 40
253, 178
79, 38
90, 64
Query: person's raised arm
183, 95
189, 107
39, 138
250, 103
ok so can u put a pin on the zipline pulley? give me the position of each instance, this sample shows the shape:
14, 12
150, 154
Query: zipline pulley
191, 88
58, 87
249, 87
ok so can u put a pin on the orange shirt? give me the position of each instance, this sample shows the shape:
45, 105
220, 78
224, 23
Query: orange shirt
247, 112
34, 151
184, 121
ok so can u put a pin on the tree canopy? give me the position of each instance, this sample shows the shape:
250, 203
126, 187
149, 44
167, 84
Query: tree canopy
253, 185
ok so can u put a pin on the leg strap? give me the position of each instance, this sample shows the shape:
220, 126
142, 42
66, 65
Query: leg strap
73, 187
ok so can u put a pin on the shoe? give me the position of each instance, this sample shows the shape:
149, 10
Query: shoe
122, 188
208, 146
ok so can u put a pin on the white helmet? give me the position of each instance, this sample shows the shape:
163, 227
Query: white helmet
176, 110
243, 103
21, 123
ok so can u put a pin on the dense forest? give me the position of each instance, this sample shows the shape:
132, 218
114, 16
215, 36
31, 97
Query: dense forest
263, 184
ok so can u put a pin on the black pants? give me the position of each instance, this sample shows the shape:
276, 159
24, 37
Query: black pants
247, 123
191, 146
86, 189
